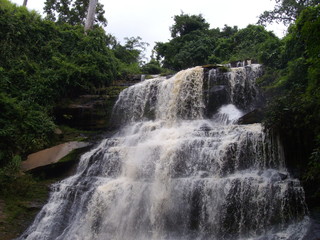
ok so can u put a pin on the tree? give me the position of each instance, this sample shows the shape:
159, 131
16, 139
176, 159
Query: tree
135, 44
228, 31
73, 12
90, 15
286, 11
152, 67
248, 42
191, 45
132, 51
185, 24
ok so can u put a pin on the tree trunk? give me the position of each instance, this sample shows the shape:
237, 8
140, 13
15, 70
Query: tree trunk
25, 3
90, 15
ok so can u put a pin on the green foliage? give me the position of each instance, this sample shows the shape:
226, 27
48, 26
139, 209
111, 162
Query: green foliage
299, 55
186, 51
42, 62
270, 52
185, 24
286, 11
199, 45
73, 12
130, 56
132, 51
127, 70
250, 42
23, 195
295, 109
308, 26
191, 45
59, 58
8, 174
24, 127
152, 67
313, 169
311, 176
227, 31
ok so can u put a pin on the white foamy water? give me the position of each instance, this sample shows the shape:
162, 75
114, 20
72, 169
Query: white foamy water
170, 173
227, 114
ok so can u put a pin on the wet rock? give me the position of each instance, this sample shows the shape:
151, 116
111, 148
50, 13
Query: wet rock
255, 116
243, 63
218, 96
204, 174
134, 78
205, 127
216, 90
210, 66
283, 176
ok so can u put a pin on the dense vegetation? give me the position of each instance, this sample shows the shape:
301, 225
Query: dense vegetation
294, 110
43, 62
193, 43
40, 63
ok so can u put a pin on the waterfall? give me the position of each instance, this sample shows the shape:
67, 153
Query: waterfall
176, 170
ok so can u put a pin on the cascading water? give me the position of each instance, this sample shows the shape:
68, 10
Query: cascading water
176, 171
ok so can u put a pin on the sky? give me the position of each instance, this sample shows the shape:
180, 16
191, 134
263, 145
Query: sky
151, 19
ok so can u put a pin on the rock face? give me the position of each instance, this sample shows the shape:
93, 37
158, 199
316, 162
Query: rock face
255, 116
215, 88
223, 85
88, 112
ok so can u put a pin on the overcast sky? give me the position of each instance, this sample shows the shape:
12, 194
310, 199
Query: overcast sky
151, 19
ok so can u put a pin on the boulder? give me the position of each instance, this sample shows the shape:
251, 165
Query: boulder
50, 155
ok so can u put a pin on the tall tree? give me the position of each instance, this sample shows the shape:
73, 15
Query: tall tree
73, 12
90, 14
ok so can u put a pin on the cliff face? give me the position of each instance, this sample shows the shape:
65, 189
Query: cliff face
88, 112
